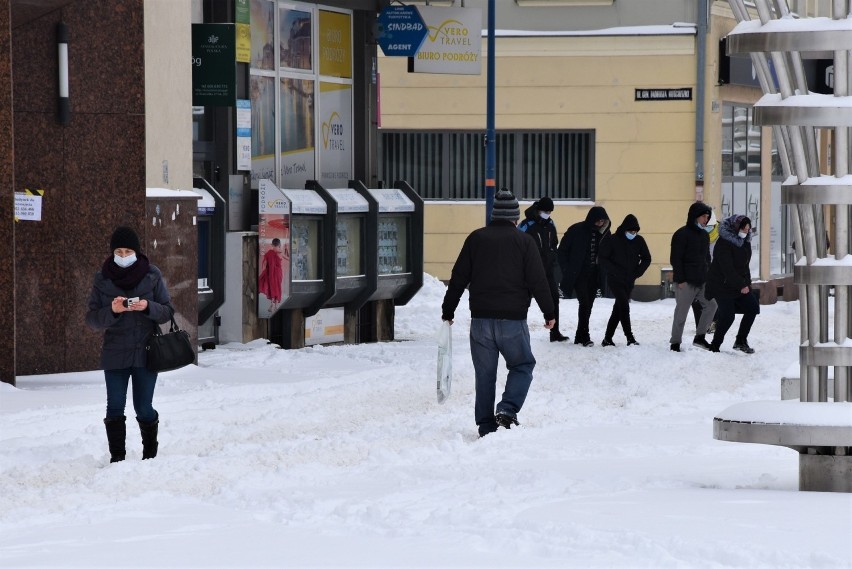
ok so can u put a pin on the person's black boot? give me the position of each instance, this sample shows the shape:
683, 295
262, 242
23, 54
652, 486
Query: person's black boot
631, 341
149, 438
701, 342
116, 430
556, 336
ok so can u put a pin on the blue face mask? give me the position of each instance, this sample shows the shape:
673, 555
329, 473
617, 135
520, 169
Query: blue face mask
124, 262
630, 236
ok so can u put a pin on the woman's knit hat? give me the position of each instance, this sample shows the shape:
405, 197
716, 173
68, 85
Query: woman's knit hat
505, 206
124, 238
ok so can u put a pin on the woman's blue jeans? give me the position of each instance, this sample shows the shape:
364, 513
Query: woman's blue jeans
144, 382
489, 338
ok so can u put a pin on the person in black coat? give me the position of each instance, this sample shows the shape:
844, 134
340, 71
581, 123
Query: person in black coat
729, 282
539, 225
690, 260
578, 259
128, 301
624, 257
501, 268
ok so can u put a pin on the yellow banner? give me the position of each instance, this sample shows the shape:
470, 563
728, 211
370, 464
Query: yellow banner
335, 44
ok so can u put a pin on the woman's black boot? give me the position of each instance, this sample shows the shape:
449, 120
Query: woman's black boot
149, 438
116, 430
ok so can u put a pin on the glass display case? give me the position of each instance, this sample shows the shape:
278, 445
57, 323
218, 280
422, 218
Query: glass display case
305, 255
393, 245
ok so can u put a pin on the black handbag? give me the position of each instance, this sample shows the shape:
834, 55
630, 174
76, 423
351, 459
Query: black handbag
169, 351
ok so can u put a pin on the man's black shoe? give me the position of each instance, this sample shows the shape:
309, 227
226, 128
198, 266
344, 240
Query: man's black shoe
675, 347
700, 342
505, 421
584, 343
743, 347
607, 342
557, 337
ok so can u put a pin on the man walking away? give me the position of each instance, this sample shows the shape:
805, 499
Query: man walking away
578, 259
539, 225
502, 268
690, 260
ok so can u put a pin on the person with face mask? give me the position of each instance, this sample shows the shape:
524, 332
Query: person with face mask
690, 260
129, 299
540, 226
729, 282
625, 257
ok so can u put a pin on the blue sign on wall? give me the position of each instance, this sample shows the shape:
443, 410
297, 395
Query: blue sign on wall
401, 31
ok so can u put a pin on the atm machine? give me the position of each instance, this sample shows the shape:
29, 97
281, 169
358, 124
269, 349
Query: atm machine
211, 261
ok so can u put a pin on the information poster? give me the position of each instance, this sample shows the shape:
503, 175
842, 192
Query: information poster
243, 134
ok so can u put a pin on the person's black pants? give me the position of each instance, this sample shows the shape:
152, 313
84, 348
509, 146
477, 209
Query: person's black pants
745, 304
554, 294
586, 289
620, 309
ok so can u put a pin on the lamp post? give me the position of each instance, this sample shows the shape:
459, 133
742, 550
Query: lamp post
490, 135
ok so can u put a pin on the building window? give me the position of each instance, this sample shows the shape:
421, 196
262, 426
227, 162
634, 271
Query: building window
451, 164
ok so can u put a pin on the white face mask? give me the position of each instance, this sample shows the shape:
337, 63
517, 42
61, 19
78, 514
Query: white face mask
545, 215
124, 262
743, 234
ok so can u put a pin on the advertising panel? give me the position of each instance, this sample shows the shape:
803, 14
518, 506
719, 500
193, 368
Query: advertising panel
262, 91
335, 44
273, 248
295, 33
335, 152
296, 124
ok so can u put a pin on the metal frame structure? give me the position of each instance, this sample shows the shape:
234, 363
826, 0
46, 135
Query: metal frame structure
794, 114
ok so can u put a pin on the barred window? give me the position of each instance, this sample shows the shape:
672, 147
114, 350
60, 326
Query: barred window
451, 164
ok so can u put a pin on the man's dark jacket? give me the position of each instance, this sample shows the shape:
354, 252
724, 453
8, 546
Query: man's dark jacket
690, 251
574, 248
729, 273
502, 268
544, 233
622, 259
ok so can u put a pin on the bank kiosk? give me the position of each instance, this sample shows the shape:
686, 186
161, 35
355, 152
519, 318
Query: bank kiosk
356, 211
210, 221
397, 256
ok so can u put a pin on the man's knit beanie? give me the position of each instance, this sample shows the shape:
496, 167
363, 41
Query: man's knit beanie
505, 206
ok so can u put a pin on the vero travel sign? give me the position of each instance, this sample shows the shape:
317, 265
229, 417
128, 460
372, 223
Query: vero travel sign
401, 31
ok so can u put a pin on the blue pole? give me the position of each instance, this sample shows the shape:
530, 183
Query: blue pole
490, 134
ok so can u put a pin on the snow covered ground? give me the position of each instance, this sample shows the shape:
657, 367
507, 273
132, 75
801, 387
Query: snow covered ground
341, 457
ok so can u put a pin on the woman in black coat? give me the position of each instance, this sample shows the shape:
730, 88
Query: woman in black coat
729, 282
128, 301
624, 257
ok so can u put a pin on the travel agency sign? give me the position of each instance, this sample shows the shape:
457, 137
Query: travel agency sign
401, 31
454, 42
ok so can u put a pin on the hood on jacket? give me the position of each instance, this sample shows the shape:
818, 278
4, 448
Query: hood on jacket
531, 212
595, 213
730, 227
696, 210
630, 223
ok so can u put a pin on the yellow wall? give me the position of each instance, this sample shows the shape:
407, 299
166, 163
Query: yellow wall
644, 151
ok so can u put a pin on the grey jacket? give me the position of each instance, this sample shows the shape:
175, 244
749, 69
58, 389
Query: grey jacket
126, 334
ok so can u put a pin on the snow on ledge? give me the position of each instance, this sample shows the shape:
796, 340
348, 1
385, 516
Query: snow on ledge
790, 412
793, 25
810, 100
169, 193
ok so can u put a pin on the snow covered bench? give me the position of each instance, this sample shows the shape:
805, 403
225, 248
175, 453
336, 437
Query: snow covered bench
820, 432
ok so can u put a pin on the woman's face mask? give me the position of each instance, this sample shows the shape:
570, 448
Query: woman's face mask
124, 262
743, 234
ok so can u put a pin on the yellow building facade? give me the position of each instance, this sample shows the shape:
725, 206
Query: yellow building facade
644, 150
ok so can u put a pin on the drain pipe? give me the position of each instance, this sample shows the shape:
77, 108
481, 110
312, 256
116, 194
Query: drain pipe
700, 72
